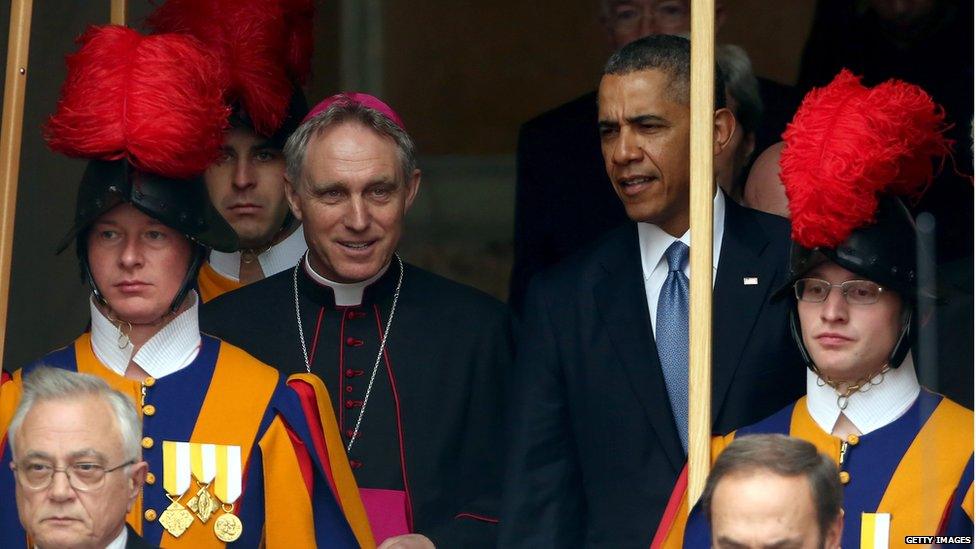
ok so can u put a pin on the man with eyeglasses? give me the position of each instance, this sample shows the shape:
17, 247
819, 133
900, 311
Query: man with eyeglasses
905, 453
76, 425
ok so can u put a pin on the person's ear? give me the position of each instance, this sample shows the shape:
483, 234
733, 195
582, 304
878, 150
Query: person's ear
413, 187
291, 195
835, 532
137, 477
723, 130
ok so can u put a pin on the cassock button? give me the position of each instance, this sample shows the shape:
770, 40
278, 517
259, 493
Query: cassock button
147, 442
845, 477
353, 314
150, 478
149, 382
354, 342
149, 410
350, 372
348, 388
150, 515
355, 464
348, 404
853, 440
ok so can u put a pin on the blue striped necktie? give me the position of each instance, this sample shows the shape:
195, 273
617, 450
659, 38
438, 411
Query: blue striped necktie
672, 335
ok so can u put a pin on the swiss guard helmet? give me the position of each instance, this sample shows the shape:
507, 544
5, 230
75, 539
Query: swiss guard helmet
148, 114
852, 154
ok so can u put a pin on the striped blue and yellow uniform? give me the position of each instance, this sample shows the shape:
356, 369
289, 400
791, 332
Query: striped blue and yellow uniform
223, 397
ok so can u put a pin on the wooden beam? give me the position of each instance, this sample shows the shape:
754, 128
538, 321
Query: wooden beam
120, 12
702, 195
15, 84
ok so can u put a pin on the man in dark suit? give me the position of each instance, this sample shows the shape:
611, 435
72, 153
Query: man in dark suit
563, 200
599, 414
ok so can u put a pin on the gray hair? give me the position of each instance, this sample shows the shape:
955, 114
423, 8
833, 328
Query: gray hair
784, 456
47, 384
340, 112
666, 53
742, 85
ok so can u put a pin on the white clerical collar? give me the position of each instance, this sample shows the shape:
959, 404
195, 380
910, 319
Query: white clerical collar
869, 410
346, 295
654, 241
170, 350
275, 259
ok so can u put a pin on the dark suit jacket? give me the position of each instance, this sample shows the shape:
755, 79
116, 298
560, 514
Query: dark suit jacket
135, 541
594, 447
563, 198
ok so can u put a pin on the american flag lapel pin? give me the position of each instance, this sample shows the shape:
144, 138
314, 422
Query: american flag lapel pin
750, 281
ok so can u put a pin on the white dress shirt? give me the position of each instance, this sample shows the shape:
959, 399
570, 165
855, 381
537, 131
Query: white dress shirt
346, 295
654, 242
275, 259
869, 410
173, 347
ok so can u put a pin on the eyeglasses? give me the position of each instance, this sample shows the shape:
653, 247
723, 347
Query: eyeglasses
83, 476
856, 292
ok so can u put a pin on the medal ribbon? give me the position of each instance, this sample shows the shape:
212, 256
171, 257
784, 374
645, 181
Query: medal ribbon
203, 461
176, 467
227, 485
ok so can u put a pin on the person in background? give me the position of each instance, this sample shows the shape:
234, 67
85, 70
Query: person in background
247, 182
563, 199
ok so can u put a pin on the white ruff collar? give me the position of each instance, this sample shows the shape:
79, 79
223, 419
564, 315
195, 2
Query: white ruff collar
868, 410
170, 350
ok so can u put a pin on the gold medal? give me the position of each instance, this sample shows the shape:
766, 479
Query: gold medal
228, 527
203, 504
175, 519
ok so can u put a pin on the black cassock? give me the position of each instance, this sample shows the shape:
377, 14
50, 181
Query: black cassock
431, 427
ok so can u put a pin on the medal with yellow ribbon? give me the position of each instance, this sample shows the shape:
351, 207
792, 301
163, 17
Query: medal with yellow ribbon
176, 481
227, 487
203, 465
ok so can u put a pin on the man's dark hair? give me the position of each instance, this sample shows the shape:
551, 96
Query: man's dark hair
786, 457
666, 53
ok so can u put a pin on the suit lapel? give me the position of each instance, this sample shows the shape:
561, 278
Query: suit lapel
622, 303
737, 300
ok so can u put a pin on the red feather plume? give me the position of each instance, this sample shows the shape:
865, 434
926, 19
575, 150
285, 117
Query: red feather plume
266, 46
153, 100
847, 145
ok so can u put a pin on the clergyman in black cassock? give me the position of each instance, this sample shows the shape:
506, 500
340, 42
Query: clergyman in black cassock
426, 428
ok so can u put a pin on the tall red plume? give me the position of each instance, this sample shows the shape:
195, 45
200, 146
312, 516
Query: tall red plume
847, 145
266, 46
153, 100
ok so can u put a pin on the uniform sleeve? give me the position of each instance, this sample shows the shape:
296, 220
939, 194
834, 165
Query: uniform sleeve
300, 508
543, 503
473, 523
328, 453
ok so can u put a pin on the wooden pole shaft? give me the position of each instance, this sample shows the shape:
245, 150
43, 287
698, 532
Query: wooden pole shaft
702, 196
120, 9
15, 84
